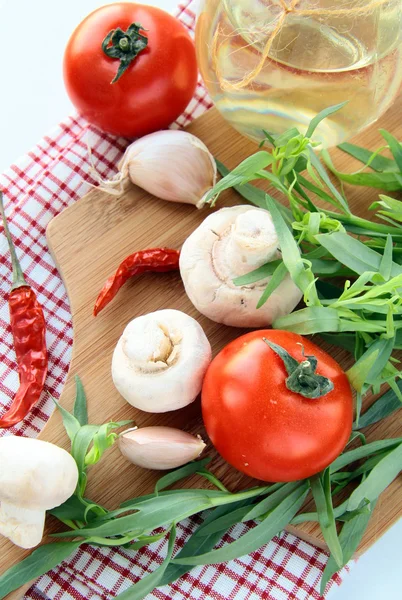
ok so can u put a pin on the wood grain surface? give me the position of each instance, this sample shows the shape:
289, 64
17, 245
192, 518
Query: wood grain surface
88, 240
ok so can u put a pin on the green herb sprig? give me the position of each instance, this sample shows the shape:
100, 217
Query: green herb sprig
372, 467
318, 243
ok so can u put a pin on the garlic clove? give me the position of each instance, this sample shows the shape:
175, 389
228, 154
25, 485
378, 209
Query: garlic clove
159, 448
172, 165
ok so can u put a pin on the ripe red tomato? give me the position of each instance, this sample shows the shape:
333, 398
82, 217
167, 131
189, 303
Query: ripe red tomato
261, 427
155, 88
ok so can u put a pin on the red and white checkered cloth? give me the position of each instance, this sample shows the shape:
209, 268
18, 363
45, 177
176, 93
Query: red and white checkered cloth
41, 184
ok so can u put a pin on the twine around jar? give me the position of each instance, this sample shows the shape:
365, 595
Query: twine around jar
292, 8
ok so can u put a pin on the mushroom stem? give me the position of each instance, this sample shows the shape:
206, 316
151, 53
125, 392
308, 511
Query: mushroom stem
153, 347
23, 526
252, 241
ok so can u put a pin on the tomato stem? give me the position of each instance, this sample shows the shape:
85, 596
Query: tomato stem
302, 378
125, 46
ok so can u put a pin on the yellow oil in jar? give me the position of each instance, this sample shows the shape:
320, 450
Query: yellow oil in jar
324, 53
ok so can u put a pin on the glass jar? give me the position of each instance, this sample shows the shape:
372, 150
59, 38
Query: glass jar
274, 64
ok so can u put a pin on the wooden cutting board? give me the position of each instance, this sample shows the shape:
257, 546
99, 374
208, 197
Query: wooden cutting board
88, 240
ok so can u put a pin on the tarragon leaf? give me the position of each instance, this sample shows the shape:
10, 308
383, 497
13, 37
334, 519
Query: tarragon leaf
387, 404
313, 319
277, 277
377, 163
144, 586
80, 405
394, 146
71, 424
39, 562
349, 538
354, 254
276, 520
321, 116
380, 477
321, 489
178, 474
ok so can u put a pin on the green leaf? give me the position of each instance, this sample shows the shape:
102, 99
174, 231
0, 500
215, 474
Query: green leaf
387, 404
80, 405
225, 522
354, 254
369, 367
200, 542
380, 477
378, 163
349, 538
261, 273
390, 182
283, 138
302, 276
245, 171
160, 510
71, 424
321, 489
342, 340
386, 260
358, 453
79, 449
39, 562
178, 474
72, 509
394, 146
277, 519
273, 500
277, 277
142, 588
254, 195
102, 440
246, 190
321, 116
341, 202
313, 319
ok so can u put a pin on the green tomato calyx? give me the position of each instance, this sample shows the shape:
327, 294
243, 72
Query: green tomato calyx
124, 46
302, 377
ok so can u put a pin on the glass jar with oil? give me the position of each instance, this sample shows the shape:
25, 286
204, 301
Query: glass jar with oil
274, 64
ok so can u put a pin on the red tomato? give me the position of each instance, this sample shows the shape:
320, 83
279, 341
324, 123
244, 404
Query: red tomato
261, 427
155, 88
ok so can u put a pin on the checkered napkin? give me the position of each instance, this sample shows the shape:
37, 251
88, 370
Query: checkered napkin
49, 178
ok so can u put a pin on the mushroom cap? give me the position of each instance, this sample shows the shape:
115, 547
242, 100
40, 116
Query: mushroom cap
34, 474
160, 361
208, 265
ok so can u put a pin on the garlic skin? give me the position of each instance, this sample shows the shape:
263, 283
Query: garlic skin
172, 165
159, 448
160, 361
231, 242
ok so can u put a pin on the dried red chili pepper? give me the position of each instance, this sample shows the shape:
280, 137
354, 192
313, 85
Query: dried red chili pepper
156, 260
28, 329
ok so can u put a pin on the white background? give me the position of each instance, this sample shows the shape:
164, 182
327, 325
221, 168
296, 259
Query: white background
33, 34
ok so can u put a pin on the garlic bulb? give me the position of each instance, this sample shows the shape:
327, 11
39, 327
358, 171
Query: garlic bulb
171, 165
160, 361
232, 242
159, 447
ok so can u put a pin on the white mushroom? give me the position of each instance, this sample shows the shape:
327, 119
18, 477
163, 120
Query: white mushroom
232, 242
35, 476
160, 361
